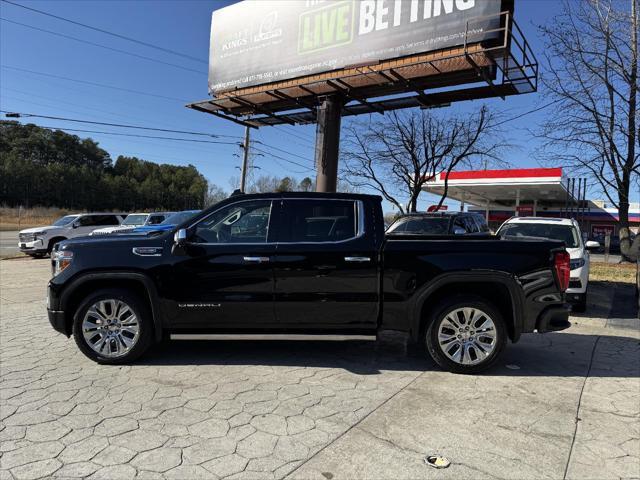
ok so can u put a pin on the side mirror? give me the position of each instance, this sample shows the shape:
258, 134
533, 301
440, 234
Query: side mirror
75, 224
180, 238
591, 245
459, 231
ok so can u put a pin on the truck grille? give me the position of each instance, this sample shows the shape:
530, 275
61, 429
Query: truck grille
26, 237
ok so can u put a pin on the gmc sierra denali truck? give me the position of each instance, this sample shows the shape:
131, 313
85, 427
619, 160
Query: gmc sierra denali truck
306, 263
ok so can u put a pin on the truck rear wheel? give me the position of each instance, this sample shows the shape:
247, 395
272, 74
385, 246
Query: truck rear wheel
466, 334
112, 326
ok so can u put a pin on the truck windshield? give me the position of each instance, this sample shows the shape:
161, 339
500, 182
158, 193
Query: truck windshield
421, 226
61, 222
135, 220
564, 233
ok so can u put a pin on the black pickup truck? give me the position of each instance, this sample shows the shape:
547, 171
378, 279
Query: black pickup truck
306, 263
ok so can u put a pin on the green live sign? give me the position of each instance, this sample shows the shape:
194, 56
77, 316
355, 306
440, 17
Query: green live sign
326, 27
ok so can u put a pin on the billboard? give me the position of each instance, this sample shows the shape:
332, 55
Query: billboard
255, 42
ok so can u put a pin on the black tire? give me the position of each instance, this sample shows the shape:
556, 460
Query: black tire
139, 309
581, 305
439, 316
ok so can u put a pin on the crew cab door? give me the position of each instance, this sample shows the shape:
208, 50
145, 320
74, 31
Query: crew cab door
325, 266
226, 278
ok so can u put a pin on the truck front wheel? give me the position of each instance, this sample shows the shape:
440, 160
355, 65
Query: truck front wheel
113, 326
466, 334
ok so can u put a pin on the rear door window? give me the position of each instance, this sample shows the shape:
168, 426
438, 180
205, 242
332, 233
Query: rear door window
318, 221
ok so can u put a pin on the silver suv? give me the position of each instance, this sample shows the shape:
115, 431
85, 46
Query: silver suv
39, 241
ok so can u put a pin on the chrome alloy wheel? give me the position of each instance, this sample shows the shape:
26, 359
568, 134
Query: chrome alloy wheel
467, 335
110, 328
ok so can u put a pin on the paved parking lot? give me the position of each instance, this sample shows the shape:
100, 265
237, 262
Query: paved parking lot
559, 405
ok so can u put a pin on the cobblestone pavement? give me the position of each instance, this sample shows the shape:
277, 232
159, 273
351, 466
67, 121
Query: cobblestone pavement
271, 409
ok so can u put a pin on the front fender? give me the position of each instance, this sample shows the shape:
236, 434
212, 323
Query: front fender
105, 277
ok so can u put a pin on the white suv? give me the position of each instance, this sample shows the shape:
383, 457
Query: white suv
39, 241
563, 229
132, 221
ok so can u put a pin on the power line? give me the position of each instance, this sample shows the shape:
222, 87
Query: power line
49, 117
302, 172
102, 46
102, 85
282, 150
526, 113
56, 102
107, 124
140, 136
288, 132
283, 159
107, 32
92, 109
306, 169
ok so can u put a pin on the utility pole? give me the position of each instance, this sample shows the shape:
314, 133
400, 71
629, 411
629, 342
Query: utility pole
245, 159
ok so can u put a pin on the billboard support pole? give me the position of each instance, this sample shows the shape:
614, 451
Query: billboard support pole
328, 143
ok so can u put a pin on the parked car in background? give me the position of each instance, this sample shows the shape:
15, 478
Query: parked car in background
134, 220
168, 223
566, 230
614, 244
306, 263
440, 223
39, 241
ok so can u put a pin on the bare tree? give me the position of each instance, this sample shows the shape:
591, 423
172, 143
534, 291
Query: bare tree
305, 185
592, 73
214, 195
264, 184
399, 154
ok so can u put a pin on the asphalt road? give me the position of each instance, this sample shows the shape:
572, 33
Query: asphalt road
8, 243
560, 405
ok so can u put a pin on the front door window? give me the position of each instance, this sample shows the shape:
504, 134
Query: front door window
244, 222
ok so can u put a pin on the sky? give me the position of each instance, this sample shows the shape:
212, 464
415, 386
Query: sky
154, 93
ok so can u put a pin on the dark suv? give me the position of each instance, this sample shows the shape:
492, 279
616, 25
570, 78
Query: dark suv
440, 223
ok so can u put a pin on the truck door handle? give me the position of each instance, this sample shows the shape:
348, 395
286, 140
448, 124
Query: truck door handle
357, 259
256, 259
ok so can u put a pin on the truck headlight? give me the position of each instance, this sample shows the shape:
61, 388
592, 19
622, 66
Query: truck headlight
577, 263
61, 260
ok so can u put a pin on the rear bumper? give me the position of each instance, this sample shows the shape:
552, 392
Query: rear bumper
574, 298
554, 319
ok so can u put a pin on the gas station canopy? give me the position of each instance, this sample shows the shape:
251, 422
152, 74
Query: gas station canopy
538, 187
